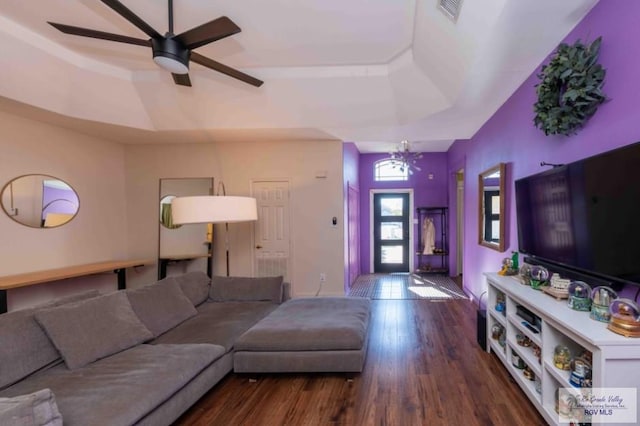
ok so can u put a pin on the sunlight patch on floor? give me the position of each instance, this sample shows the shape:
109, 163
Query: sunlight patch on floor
429, 292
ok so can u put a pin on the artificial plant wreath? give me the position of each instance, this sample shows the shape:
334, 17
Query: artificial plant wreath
570, 89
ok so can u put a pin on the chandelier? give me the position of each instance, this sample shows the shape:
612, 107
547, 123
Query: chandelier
404, 159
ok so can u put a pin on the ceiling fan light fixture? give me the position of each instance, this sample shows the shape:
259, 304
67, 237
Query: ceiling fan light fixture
171, 52
170, 55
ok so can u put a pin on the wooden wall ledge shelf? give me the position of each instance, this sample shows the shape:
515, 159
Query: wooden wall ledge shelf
38, 277
164, 261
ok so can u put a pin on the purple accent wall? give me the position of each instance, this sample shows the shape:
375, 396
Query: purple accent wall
510, 137
350, 165
426, 193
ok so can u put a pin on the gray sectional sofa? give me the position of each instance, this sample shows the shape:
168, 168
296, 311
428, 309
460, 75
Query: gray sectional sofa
144, 356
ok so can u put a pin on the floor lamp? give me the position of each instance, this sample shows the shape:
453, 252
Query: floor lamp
214, 209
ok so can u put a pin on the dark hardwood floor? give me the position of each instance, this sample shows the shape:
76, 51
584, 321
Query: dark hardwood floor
423, 367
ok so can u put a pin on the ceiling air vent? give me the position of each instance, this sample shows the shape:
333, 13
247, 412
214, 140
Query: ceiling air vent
451, 8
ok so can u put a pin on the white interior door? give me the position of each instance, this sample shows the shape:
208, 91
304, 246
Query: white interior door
272, 239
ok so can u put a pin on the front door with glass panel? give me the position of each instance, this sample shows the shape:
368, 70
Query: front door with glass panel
391, 232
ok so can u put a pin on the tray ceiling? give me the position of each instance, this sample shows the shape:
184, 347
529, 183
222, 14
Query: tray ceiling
369, 72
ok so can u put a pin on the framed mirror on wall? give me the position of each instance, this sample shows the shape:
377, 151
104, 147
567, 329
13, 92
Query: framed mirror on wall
491, 208
40, 201
182, 247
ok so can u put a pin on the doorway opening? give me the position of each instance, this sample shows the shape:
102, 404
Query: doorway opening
459, 176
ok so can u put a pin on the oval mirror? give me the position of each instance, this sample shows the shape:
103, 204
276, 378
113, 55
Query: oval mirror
166, 219
40, 201
491, 218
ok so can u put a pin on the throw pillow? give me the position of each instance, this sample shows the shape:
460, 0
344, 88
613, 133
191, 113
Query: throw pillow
194, 285
92, 329
25, 347
161, 307
36, 409
227, 289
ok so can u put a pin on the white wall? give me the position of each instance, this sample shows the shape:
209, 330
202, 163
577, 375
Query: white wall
95, 169
118, 190
316, 245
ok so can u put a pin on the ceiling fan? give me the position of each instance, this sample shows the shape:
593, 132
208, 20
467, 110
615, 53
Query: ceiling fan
170, 51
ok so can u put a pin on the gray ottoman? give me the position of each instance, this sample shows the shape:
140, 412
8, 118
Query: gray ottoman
323, 334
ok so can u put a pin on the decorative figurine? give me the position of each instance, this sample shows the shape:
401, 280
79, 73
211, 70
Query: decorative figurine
581, 371
562, 357
558, 283
625, 317
566, 404
528, 373
517, 361
537, 352
502, 340
525, 274
602, 298
523, 340
507, 267
579, 296
539, 276
496, 331
500, 304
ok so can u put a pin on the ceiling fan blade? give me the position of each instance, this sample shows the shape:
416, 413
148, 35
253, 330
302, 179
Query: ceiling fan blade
122, 10
217, 66
85, 32
181, 79
209, 32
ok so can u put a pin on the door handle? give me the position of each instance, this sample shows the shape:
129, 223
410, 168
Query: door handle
258, 246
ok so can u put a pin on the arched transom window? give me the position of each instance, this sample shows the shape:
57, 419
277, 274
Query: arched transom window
388, 170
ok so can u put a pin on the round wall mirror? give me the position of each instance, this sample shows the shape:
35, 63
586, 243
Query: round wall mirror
40, 201
166, 219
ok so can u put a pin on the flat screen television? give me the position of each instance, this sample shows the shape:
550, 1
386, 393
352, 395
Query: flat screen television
585, 216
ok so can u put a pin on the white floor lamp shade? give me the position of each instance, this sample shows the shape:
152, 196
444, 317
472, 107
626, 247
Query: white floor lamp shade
213, 209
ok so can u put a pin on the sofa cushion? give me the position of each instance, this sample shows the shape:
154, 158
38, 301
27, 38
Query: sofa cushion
36, 409
123, 388
161, 307
194, 285
25, 347
92, 329
311, 324
226, 289
218, 323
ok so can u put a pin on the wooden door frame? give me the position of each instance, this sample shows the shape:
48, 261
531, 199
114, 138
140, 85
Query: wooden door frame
460, 190
347, 233
412, 220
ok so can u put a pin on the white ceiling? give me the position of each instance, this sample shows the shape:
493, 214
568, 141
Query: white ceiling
373, 72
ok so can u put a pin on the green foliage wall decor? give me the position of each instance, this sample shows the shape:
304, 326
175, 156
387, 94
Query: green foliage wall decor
570, 89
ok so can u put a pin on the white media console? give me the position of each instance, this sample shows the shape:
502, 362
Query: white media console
615, 358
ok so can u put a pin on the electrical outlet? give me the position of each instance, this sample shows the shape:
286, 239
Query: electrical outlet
323, 277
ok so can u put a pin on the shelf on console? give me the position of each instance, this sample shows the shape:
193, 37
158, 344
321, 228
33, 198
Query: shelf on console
527, 355
562, 376
498, 350
517, 322
498, 317
525, 384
